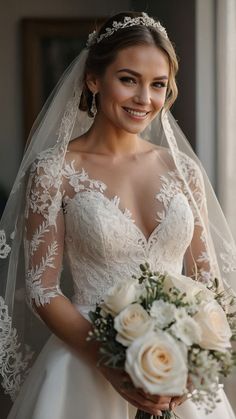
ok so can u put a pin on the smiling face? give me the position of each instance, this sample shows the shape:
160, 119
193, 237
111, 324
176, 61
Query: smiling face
133, 88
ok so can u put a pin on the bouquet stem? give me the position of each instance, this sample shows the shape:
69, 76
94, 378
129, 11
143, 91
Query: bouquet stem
166, 414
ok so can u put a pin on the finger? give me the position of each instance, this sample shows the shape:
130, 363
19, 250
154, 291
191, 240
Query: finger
148, 398
144, 402
177, 401
155, 397
140, 406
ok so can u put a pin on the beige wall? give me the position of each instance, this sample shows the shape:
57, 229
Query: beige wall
11, 12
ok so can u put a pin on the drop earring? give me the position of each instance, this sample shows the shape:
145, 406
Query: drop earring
93, 109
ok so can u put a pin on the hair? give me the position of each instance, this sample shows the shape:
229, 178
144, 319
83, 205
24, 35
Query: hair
102, 54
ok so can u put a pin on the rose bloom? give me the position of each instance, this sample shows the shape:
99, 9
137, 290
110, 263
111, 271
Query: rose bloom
191, 287
157, 363
216, 332
131, 323
120, 296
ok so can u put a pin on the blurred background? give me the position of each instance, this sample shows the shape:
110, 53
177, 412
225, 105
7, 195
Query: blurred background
38, 39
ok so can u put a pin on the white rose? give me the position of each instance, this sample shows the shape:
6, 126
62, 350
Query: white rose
216, 332
120, 296
131, 323
187, 330
156, 363
163, 313
191, 287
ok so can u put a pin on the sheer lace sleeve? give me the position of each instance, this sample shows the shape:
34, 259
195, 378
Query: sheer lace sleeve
44, 233
200, 261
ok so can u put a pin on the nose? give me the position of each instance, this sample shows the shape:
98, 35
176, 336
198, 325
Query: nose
143, 96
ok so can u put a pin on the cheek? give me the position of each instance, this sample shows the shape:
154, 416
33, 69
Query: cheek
116, 93
159, 99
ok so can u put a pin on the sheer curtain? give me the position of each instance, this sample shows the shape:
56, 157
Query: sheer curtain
226, 107
226, 123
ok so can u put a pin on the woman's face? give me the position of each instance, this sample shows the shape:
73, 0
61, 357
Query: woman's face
133, 89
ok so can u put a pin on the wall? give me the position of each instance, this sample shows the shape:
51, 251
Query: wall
11, 13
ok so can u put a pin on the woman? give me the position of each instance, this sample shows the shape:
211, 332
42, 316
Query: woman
108, 200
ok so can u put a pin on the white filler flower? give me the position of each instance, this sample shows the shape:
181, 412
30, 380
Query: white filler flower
187, 330
163, 313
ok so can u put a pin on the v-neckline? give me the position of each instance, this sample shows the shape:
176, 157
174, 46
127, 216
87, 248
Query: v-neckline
100, 186
145, 240
131, 220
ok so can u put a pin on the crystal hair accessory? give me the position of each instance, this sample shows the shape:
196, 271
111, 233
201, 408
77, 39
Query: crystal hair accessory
143, 20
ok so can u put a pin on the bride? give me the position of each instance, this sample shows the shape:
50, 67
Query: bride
94, 195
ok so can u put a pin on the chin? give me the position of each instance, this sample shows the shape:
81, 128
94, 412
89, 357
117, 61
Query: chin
135, 131
134, 128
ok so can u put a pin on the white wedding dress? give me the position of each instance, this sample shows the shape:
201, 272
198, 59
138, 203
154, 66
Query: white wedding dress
103, 245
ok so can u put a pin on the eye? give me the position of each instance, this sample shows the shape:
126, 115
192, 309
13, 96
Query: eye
128, 80
160, 84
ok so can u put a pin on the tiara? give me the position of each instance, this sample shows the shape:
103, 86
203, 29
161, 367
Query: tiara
143, 20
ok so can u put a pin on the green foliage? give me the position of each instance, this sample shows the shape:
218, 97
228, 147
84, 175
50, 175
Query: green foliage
205, 366
154, 286
112, 352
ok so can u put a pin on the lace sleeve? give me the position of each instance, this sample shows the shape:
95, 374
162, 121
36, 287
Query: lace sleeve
44, 234
200, 261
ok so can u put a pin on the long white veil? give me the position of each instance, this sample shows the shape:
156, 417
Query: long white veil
21, 332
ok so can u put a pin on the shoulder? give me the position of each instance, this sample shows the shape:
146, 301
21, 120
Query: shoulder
192, 170
45, 171
47, 161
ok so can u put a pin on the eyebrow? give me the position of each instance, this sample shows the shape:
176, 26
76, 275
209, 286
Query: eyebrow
134, 73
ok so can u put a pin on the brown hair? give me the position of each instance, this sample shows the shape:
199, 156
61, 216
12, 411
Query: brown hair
102, 54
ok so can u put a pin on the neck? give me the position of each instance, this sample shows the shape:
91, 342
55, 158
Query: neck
105, 138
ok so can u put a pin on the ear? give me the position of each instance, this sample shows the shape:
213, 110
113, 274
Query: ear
92, 83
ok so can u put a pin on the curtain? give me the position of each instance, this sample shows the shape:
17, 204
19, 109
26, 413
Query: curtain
226, 124
226, 107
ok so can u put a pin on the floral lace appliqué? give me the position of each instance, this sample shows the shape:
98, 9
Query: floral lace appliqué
4, 247
13, 365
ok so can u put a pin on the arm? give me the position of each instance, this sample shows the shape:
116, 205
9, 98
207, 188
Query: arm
44, 245
200, 259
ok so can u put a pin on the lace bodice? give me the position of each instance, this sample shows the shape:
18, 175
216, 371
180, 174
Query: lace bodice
105, 246
101, 240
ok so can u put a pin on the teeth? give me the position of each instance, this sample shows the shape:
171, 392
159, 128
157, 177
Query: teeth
136, 113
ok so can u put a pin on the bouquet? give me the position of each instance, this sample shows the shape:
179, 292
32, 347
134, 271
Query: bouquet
165, 330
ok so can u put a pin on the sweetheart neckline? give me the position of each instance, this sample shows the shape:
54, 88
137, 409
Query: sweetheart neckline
102, 187
145, 239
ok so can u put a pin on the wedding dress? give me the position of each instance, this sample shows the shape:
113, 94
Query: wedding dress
103, 245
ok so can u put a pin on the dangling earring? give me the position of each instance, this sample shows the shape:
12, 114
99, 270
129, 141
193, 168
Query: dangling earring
93, 109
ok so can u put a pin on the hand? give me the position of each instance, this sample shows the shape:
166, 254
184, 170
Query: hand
177, 401
122, 383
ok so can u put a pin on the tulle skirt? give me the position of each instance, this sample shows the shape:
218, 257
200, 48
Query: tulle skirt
62, 386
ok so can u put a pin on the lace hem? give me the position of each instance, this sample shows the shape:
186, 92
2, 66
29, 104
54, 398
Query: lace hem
14, 366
